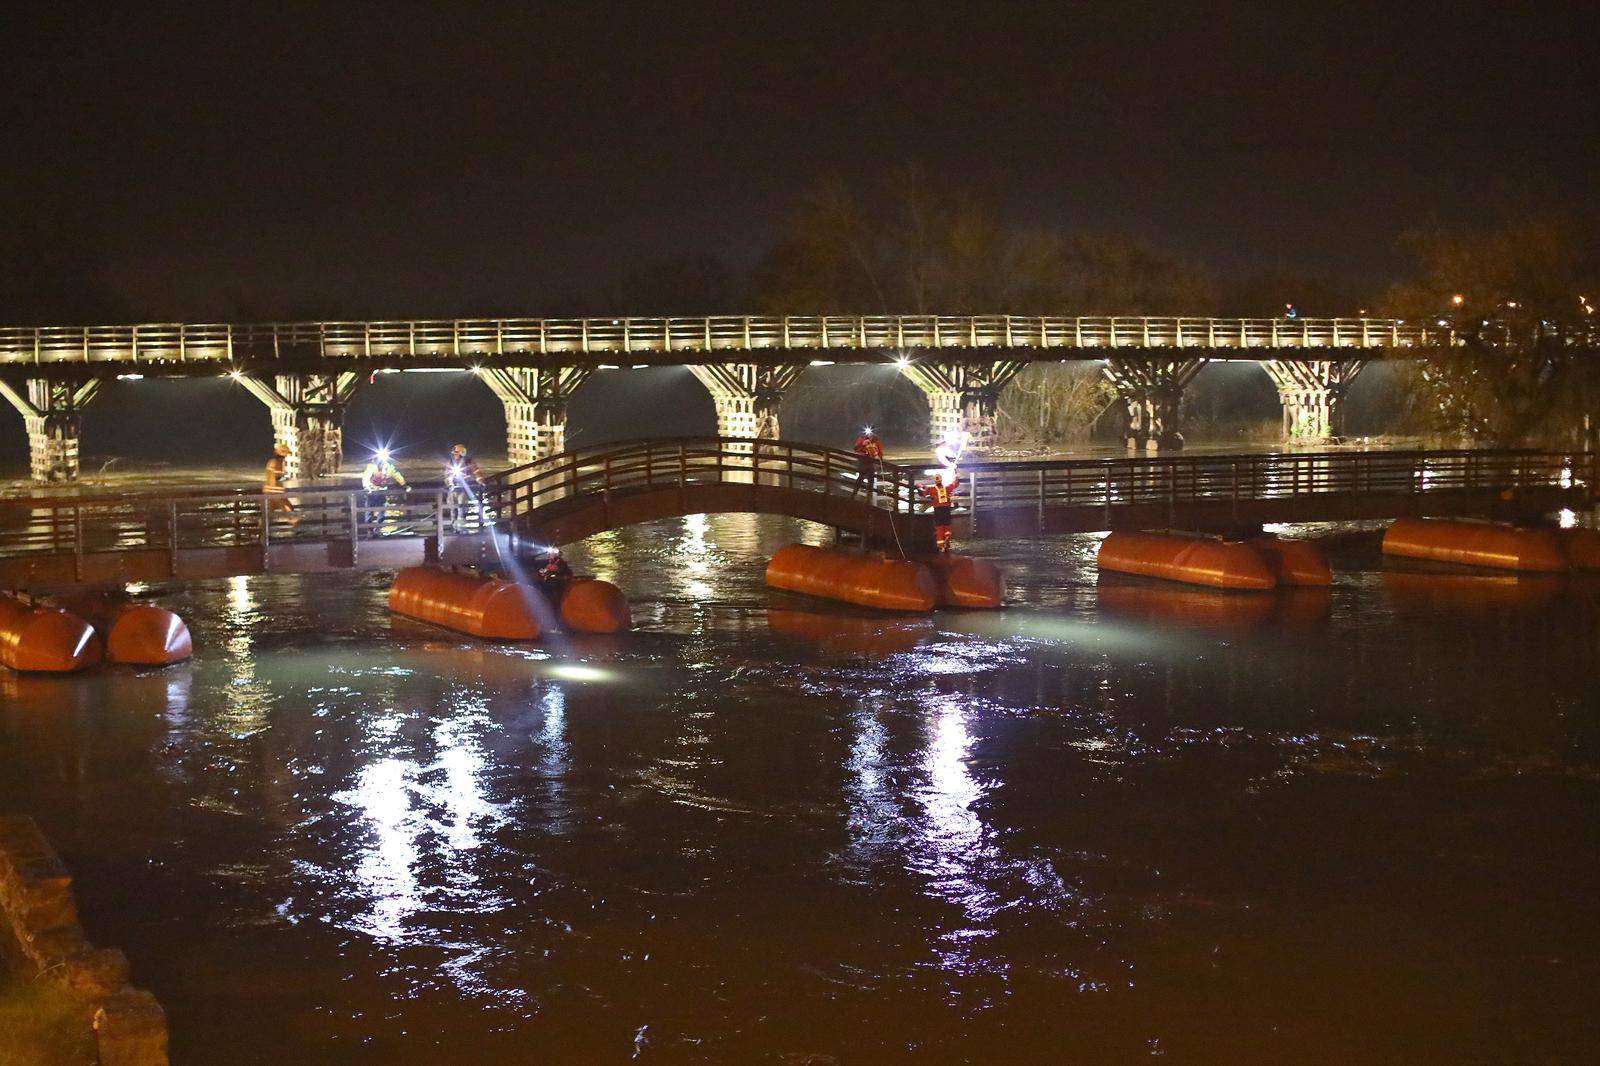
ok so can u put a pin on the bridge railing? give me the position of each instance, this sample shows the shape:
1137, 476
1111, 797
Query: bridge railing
468, 339
681, 462
66, 525
1118, 481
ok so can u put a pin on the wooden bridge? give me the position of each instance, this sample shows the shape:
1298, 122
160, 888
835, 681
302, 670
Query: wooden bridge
200, 348
56, 541
306, 372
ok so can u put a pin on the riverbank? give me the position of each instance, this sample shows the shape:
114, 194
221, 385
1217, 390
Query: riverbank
40, 1025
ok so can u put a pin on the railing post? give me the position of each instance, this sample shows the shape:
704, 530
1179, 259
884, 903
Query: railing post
266, 531
1235, 489
439, 506
1041, 498
354, 517
972, 507
1105, 499
683, 466
77, 541
172, 538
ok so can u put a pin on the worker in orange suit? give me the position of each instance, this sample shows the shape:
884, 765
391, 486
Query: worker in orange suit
272, 484
941, 498
869, 454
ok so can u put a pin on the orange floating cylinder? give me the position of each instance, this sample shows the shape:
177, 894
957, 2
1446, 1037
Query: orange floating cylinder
964, 581
590, 605
45, 639
137, 634
467, 603
1295, 562
1222, 564
853, 577
1476, 544
1582, 547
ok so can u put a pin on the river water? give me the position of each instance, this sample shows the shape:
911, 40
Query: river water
1117, 820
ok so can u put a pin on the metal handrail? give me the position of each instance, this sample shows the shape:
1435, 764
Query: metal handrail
492, 338
683, 461
87, 524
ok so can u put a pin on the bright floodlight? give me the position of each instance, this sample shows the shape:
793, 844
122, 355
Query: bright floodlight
383, 455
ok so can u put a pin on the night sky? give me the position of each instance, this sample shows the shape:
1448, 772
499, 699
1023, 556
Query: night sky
452, 159
405, 160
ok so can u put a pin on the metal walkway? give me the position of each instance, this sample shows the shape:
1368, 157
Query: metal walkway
56, 541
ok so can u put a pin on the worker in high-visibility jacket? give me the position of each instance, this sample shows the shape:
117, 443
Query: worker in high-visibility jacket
272, 484
464, 481
377, 479
941, 498
869, 455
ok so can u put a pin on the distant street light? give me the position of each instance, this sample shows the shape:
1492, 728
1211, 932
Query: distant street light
1458, 299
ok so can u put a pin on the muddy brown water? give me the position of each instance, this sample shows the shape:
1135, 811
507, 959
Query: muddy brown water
1117, 820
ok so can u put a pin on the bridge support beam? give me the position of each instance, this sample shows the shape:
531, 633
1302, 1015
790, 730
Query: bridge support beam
1152, 389
748, 396
963, 398
1313, 395
536, 408
307, 418
52, 412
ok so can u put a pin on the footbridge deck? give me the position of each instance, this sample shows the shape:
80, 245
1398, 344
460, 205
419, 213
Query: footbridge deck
201, 348
57, 541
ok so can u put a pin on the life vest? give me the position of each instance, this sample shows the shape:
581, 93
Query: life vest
870, 447
941, 495
379, 477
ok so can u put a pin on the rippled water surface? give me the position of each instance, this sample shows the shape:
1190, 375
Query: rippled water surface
1116, 820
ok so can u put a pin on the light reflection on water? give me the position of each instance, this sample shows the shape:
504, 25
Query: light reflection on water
764, 828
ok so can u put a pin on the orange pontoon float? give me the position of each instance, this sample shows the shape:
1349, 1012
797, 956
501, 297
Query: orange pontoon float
45, 639
589, 605
867, 580
964, 581
1214, 563
467, 603
1294, 562
1486, 544
136, 634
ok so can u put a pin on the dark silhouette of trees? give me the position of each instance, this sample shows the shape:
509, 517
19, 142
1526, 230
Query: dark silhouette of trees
1532, 276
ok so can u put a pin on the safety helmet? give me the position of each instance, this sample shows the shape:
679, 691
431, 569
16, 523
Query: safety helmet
459, 449
280, 449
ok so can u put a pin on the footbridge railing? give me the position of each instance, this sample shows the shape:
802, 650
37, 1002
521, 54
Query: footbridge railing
685, 462
465, 342
1066, 494
1308, 486
61, 540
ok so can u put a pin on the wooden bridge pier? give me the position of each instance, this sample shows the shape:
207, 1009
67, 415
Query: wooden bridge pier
1151, 389
52, 411
963, 397
1313, 394
307, 417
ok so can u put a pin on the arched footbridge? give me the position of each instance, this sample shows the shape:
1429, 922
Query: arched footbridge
50, 541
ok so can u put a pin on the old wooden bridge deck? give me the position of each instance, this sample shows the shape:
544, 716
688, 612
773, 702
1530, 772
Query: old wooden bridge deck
56, 541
